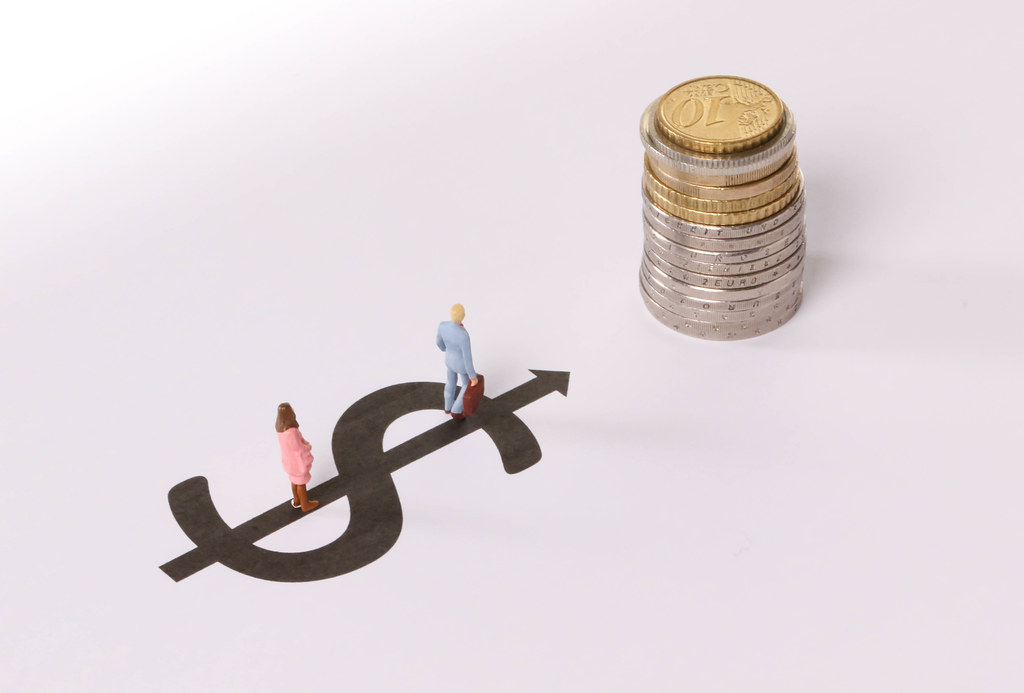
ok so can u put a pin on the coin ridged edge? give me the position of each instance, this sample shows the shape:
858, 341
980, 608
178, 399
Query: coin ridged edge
775, 306
723, 192
698, 204
723, 233
720, 293
792, 258
710, 305
667, 246
713, 332
727, 218
754, 161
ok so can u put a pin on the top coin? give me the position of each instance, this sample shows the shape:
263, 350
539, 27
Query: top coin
720, 115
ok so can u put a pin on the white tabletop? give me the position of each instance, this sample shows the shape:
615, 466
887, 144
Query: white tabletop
211, 208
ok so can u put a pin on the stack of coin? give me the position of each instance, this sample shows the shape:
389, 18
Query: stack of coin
723, 210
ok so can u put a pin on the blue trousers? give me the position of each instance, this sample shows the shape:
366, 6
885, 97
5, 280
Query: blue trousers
451, 402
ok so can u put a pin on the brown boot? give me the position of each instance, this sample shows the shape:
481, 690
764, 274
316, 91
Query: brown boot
295, 496
304, 502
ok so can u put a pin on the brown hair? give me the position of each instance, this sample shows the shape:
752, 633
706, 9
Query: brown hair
285, 418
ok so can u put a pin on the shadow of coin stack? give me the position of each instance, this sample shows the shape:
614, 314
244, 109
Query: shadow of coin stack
723, 210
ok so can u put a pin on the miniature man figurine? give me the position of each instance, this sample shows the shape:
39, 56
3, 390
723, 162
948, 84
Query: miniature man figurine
296, 456
453, 340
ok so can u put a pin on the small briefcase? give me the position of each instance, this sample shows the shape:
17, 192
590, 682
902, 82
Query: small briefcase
474, 393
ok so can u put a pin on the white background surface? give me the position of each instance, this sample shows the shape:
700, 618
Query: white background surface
209, 208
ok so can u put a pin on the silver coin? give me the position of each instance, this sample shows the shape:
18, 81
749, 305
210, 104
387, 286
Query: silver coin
794, 256
672, 264
786, 223
718, 331
719, 169
720, 294
706, 262
675, 226
737, 321
711, 312
691, 297
686, 306
704, 191
728, 245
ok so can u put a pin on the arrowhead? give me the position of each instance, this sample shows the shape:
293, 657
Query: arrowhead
554, 381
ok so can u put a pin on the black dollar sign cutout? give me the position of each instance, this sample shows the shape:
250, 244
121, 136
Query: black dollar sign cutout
364, 475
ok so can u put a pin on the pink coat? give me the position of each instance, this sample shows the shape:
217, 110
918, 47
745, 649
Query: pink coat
295, 456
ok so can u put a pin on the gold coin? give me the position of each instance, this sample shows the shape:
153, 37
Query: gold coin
727, 218
684, 183
718, 206
719, 115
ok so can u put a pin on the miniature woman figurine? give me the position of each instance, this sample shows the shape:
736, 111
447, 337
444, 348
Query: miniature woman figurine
296, 456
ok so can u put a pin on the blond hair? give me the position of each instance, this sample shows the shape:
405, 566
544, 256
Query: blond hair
458, 313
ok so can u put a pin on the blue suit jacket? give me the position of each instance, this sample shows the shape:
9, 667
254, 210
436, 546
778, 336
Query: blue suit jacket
453, 340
